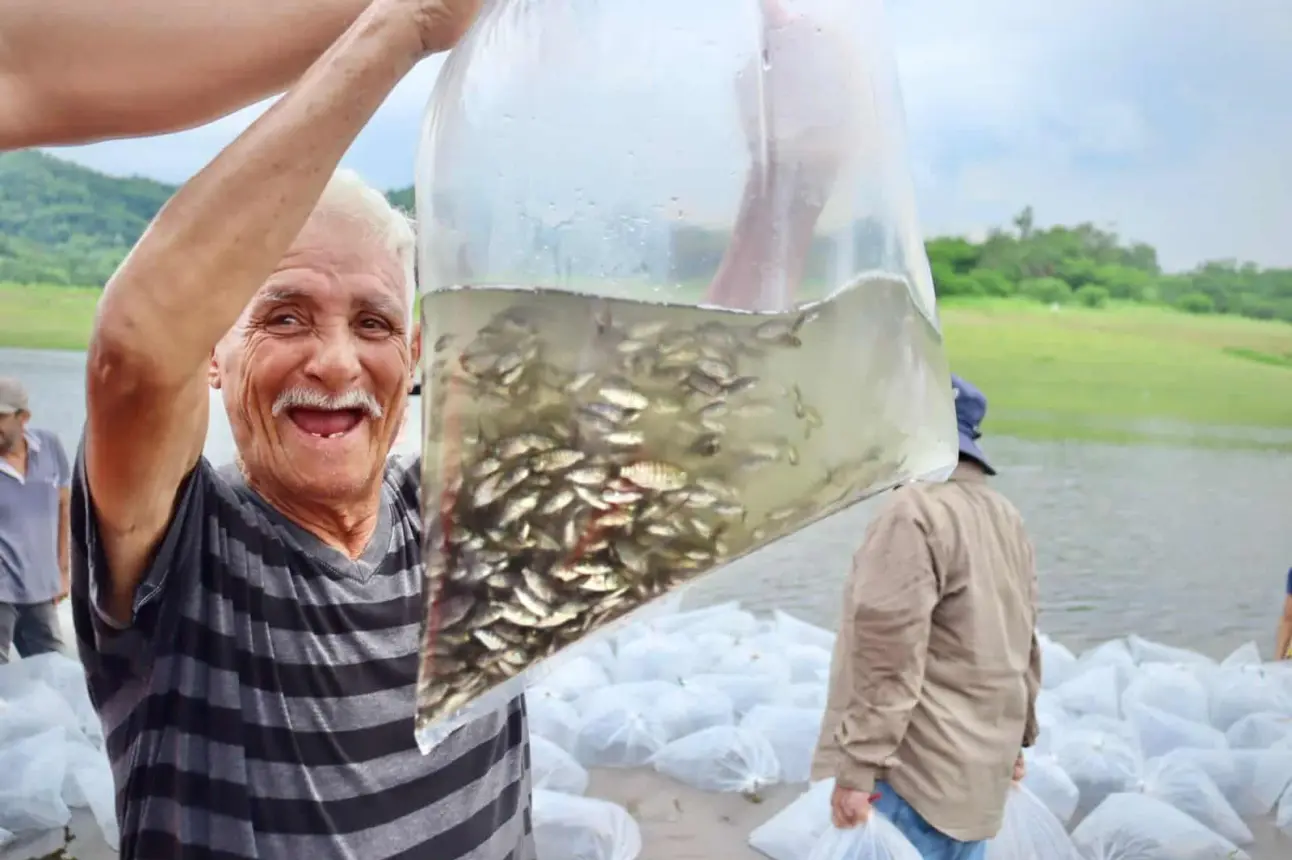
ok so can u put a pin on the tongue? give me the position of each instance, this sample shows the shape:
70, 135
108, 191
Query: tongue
324, 422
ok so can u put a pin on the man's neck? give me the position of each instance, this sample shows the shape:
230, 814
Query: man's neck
17, 455
345, 525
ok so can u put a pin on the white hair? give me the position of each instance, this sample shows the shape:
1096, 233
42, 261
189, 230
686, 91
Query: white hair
349, 196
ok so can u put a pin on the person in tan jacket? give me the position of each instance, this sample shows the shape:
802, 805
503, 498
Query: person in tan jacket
937, 665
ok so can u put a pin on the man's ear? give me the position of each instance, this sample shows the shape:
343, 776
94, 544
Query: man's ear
415, 353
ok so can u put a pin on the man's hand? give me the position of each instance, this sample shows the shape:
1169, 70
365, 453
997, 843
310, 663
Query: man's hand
441, 22
1020, 768
849, 807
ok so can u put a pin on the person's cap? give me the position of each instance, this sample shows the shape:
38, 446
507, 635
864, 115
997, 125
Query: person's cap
971, 409
13, 397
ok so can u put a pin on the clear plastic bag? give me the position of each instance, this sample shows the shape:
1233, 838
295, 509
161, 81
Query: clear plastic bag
1159, 732
554, 769
757, 659
1094, 691
1187, 787
1173, 689
1030, 831
1058, 664
1238, 691
1046, 779
692, 707
619, 734
656, 657
745, 691
1136, 827
551, 716
66, 677
31, 793
665, 319
1282, 815
792, 733
569, 827
807, 662
1251, 780
877, 839
578, 675
88, 785
1146, 651
725, 759
788, 833
33, 709
811, 694
796, 630
1098, 763
1260, 732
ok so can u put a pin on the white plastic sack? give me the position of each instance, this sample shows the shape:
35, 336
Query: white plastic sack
1048, 781
1243, 691
655, 657
709, 648
796, 630
67, 678
1246, 655
640, 694
756, 659
1114, 654
1282, 815
812, 694
31, 792
1187, 787
1030, 831
745, 691
568, 827
1159, 732
1136, 827
792, 734
1172, 689
726, 618
88, 785
691, 707
806, 662
786, 834
877, 839
35, 708
1251, 780
1098, 763
552, 717
5, 838
1260, 732
554, 769
1058, 664
1146, 651
577, 675
618, 734
1094, 691
725, 759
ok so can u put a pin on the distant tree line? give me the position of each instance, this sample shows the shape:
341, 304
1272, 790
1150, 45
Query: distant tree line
61, 223
1089, 266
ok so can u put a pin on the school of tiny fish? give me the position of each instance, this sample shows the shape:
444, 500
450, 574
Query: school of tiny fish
580, 495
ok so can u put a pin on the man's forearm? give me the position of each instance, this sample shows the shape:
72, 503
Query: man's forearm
217, 240
74, 71
766, 256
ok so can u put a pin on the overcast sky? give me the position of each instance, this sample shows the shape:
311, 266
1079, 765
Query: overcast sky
1168, 119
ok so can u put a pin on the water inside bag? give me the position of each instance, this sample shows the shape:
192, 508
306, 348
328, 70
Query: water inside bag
585, 455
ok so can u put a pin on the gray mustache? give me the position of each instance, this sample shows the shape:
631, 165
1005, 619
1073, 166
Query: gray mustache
311, 398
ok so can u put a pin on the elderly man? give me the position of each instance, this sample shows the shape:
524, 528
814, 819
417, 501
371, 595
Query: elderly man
937, 667
250, 635
35, 494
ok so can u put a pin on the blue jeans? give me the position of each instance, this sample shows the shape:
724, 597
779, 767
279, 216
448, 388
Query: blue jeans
930, 842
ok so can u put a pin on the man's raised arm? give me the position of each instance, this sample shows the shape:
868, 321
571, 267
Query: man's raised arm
74, 71
201, 262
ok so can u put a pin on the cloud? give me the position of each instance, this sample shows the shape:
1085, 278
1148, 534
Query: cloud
1170, 119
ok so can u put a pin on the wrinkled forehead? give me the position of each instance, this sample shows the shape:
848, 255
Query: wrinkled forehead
337, 264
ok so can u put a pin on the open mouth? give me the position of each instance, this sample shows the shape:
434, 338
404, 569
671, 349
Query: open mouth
325, 423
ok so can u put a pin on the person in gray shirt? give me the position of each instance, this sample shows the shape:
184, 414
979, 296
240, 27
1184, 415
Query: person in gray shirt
35, 483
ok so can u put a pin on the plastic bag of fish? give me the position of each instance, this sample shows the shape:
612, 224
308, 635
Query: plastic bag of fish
584, 458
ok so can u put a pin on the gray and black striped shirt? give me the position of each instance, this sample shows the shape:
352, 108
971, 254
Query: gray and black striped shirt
260, 705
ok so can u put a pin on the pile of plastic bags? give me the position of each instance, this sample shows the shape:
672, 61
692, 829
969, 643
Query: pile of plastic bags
51, 751
1147, 751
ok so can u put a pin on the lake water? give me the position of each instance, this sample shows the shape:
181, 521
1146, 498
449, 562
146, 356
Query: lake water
1190, 547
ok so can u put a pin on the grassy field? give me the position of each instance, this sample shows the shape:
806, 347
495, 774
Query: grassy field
1126, 373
